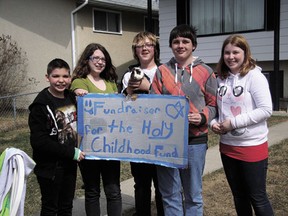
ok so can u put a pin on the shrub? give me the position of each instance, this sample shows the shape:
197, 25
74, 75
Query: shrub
13, 64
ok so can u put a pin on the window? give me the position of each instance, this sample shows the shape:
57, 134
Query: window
227, 16
154, 24
107, 21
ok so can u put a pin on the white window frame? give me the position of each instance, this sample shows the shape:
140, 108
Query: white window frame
106, 20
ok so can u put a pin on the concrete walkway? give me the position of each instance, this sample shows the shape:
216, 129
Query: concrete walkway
277, 133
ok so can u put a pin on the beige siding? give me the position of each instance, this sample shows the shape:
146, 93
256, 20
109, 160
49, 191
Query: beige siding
41, 29
118, 45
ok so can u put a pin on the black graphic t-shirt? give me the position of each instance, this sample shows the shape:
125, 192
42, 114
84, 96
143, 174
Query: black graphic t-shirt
66, 119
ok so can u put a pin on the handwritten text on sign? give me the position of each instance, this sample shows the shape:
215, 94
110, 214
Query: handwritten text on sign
151, 129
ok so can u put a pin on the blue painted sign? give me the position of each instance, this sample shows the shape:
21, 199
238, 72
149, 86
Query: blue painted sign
150, 129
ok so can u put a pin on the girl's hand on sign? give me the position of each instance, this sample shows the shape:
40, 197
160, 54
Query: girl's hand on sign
80, 92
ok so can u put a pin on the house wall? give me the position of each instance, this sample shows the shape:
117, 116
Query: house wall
118, 45
261, 43
167, 21
209, 48
41, 29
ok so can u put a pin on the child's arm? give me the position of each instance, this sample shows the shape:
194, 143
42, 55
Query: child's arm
79, 87
78, 155
80, 92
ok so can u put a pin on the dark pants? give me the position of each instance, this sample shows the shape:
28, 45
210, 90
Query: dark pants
91, 171
58, 193
143, 175
247, 181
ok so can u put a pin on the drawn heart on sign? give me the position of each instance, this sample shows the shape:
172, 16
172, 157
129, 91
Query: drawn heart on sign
174, 110
235, 110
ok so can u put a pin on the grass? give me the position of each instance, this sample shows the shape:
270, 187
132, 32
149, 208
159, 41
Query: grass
217, 196
13, 120
216, 192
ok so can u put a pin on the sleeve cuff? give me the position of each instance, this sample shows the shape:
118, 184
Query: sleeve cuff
76, 154
203, 119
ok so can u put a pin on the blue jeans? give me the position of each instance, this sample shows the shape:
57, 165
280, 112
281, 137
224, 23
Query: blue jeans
92, 171
181, 189
247, 181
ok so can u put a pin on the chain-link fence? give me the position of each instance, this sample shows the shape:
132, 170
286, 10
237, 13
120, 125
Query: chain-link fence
14, 111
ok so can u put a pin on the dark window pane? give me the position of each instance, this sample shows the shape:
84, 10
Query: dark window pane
100, 20
113, 22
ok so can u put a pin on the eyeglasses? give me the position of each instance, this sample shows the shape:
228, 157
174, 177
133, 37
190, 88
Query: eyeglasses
96, 59
147, 45
237, 91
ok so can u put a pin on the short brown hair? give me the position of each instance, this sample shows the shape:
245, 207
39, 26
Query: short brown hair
57, 63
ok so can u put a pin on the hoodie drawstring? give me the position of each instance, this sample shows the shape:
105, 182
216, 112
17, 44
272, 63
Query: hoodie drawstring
191, 73
176, 75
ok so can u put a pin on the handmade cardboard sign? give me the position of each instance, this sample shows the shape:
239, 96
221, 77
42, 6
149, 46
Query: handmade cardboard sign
150, 129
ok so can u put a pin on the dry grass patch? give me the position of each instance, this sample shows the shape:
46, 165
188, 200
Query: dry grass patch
217, 195
218, 198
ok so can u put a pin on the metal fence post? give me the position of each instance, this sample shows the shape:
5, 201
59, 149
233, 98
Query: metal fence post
14, 110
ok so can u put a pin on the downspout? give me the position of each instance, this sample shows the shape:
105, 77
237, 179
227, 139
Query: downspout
73, 32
